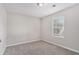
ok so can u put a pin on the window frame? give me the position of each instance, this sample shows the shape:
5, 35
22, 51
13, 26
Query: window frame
62, 30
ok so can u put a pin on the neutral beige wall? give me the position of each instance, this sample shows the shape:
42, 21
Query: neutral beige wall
71, 34
22, 28
3, 28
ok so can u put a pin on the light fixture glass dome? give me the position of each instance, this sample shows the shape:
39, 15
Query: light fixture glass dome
40, 4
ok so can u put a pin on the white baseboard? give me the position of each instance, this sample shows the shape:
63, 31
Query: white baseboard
62, 46
23, 42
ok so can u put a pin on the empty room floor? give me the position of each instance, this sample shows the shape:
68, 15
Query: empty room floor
37, 48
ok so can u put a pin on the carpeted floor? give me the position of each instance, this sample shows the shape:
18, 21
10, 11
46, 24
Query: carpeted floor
37, 48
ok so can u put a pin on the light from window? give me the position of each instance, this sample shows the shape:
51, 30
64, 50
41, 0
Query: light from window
59, 26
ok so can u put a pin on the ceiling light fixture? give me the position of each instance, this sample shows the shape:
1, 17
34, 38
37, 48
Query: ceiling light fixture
40, 4
53, 5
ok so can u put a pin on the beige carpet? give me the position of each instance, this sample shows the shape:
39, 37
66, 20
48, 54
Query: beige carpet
37, 48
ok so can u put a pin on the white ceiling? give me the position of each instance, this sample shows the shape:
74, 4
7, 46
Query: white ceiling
31, 9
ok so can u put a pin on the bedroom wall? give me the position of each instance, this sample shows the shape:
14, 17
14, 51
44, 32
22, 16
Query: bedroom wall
22, 29
71, 35
3, 28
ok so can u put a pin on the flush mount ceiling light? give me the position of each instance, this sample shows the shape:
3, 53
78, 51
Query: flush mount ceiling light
40, 4
53, 5
44, 4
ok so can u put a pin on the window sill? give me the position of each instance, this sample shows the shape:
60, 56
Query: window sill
59, 36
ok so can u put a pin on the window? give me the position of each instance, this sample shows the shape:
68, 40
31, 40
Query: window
59, 26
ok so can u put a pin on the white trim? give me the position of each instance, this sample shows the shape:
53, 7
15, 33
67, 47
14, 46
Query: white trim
59, 36
22, 42
2, 52
62, 46
3, 49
